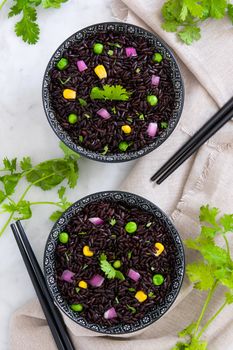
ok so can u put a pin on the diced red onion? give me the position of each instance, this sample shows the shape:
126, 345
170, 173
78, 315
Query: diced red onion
134, 275
81, 66
155, 80
96, 221
103, 113
110, 314
96, 281
130, 51
67, 276
152, 129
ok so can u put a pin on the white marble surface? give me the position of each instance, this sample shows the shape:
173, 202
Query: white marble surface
24, 130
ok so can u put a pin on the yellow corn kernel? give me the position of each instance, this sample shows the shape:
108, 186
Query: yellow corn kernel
100, 71
159, 248
126, 129
82, 284
69, 94
140, 296
87, 251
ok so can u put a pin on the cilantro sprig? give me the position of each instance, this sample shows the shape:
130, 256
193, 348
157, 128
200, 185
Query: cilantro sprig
45, 175
27, 27
185, 16
110, 92
214, 269
109, 270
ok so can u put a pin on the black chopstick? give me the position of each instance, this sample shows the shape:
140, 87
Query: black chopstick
214, 123
187, 154
52, 315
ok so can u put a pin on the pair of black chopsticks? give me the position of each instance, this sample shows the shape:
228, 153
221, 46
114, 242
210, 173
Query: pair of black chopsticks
198, 139
52, 315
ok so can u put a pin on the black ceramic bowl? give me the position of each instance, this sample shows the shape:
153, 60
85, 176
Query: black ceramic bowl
159, 46
131, 200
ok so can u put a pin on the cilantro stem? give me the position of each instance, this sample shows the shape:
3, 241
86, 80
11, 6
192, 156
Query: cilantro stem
2, 4
209, 297
227, 245
211, 319
48, 203
21, 198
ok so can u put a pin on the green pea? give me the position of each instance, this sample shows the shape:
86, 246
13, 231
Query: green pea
63, 237
123, 145
98, 48
62, 64
117, 264
76, 307
72, 118
158, 279
157, 57
152, 100
131, 227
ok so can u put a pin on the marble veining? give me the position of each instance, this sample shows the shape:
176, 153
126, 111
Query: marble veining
24, 130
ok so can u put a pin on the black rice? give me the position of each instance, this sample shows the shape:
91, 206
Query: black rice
135, 251
133, 73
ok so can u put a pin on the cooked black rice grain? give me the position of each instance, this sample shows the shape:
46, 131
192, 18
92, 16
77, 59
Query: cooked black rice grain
96, 132
134, 251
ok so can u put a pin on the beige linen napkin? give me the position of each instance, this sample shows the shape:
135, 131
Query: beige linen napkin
207, 69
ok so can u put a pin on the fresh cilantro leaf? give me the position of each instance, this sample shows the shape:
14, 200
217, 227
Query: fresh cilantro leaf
131, 289
197, 273
217, 8
171, 10
197, 344
52, 3
27, 27
164, 125
24, 210
61, 192
119, 274
26, 163
56, 215
132, 309
10, 182
2, 196
108, 269
230, 12
105, 151
82, 233
82, 102
16, 9
10, 165
189, 34
51, 173
227, 222
115, 45
112, 222
151, 295
184, 12
229, 297
209, 215
68, 152
110, 92
181, 346
187, 331
208, 231
195, 8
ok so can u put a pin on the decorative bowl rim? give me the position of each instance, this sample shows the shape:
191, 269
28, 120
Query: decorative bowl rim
49, 265
176, 78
